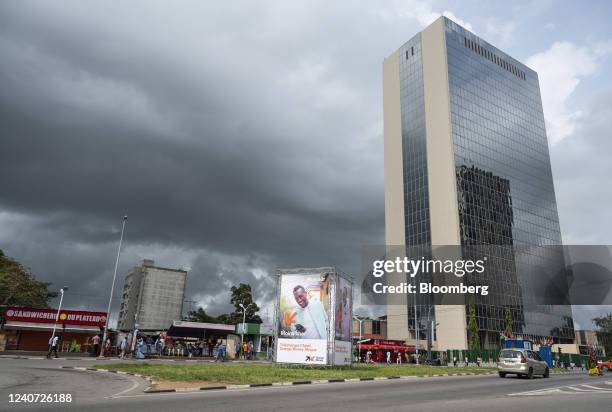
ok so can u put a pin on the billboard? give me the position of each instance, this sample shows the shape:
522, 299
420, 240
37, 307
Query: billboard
313, 320
344, 294
343, 321
303, 318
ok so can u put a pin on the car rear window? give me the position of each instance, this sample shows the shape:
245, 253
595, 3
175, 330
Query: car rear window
510, 354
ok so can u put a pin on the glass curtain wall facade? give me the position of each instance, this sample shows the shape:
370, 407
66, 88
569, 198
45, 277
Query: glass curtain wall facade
416, 189
498, 129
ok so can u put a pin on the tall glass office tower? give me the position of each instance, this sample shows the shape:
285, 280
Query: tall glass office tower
467, 163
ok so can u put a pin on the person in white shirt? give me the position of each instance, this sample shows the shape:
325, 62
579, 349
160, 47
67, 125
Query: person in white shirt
311, 319
53, 344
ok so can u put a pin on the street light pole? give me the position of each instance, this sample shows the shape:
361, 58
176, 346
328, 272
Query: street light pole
360, 320
110, 299
59, 308
416, 331
244, 308
429, 333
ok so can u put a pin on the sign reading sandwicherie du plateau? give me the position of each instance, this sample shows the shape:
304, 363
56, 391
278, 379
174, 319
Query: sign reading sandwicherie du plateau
71, 317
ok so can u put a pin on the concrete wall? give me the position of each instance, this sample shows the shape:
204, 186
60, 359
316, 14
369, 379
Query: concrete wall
155, 293
443, 211
162, 298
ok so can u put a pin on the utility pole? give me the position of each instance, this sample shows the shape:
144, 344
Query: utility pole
190, 302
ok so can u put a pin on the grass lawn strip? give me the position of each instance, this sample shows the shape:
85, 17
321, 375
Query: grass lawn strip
248, 374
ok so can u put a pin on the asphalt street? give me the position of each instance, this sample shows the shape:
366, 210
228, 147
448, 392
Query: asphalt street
98, 391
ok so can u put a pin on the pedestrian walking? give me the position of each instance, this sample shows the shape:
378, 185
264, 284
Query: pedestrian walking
455, 361
123, 347
53, 344
107, 347
162, 345
237, 350
467, 362
388, 358
96, 345
399, 358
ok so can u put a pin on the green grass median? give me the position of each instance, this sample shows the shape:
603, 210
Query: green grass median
240, 373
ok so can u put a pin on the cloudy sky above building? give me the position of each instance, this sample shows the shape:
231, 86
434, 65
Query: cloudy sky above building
244, 136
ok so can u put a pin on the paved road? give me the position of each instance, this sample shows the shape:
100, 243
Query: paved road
47, 376
97, 391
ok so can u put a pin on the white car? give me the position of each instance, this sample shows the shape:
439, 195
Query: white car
521, 362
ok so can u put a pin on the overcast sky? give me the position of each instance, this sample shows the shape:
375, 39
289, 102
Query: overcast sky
244, 136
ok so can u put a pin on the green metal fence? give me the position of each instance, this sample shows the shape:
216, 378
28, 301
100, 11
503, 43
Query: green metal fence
490, 355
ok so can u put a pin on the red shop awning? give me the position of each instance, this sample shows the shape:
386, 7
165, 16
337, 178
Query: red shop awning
385, 347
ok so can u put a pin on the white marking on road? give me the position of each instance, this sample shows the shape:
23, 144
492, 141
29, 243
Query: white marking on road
567, 389
578, 389
131, 388
596, 387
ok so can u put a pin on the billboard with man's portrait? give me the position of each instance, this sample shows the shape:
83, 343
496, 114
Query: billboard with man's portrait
303, 318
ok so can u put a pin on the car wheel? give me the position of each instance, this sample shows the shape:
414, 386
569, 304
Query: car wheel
546, 373
502, 374
530, 373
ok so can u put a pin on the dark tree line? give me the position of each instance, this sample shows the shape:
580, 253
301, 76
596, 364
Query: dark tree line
241, 294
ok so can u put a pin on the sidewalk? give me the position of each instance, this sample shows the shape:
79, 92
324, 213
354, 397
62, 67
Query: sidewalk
84, 356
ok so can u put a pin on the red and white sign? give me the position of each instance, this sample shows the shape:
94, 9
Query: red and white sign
342, 352
68, 317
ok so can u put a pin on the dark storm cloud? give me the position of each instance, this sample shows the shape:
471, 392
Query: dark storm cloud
238, 138
235, 145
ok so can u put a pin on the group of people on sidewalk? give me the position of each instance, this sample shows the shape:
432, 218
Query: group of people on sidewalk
244, 350
55, 341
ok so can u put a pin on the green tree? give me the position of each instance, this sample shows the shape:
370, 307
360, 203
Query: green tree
473, 331
242, 294
604, 332
200, 315
225, 318
19, 287
508, 320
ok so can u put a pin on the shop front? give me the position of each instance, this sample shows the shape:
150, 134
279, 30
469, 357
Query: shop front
375, 350
29, 329
200, 339
257, 337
